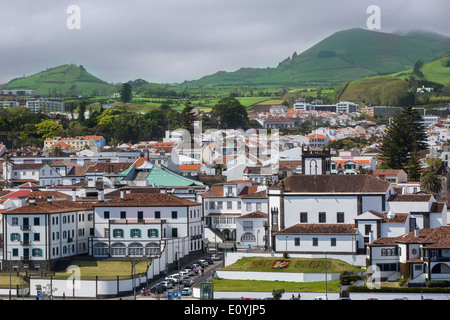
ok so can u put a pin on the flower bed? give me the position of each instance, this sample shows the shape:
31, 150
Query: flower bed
280, 264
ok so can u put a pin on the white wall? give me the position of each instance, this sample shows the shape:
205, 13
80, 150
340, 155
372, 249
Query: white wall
276, 276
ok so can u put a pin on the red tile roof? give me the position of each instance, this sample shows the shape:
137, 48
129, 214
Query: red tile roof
148, 200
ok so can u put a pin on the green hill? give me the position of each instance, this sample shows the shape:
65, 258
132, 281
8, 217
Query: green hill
64, 79
437, 70
346, 55
394, 89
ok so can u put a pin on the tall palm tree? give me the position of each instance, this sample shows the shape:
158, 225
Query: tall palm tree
8, 161
430, 181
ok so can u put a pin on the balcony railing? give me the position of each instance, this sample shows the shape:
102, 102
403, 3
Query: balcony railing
25, 242
25, 228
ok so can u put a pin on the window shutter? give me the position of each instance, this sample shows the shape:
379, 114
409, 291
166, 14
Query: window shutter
139, 233
12, 239
131, 233
121, 233
156, 232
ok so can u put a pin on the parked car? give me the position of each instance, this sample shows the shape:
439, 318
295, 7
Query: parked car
198, 266
187, 283
168, 284
189, 271
186, 291
209, 260
203, 263
173, 277
157, 289
183, 274
321, 298
216, 257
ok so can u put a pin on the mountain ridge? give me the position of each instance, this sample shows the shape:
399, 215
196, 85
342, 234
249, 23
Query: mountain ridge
345, 55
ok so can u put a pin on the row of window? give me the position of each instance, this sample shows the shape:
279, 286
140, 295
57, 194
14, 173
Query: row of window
26, 253
140, 215
55, 220
340, 217
211, 205
135, 233
315, 242
55, 235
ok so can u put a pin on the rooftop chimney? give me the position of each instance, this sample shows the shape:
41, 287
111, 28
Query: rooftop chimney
49, 200
121, 194
416, 232
32, 201
390, 214
101, 195
74, 195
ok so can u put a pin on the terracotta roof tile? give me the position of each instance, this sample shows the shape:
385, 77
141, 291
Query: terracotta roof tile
148, 200
254, 215
319, 228
334, 184
44, 207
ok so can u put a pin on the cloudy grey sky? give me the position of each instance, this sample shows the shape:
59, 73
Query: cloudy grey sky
176, 40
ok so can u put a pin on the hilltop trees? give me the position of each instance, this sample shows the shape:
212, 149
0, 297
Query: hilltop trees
229, 113
404, 137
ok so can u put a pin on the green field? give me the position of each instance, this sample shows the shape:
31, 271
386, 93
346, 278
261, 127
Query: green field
436, 71
269, 286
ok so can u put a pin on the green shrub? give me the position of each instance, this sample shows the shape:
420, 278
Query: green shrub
437, 284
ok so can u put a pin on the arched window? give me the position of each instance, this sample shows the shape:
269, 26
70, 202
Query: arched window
248, 237
118, 249
101, 249
135, 249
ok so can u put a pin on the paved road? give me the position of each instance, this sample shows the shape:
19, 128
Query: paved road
205, 276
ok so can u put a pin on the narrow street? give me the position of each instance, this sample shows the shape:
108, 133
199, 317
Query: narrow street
205, 276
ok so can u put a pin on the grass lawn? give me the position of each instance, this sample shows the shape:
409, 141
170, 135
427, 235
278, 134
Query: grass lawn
258, 285
295, 265
91, 268
15, 280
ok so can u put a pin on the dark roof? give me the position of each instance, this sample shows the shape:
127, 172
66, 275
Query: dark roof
334, 184
254, 215
319, 228
109, 167
410, 197
28, 166
433, 238
147, 200
116, 193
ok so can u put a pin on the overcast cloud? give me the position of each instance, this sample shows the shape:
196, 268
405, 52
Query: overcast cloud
176, 40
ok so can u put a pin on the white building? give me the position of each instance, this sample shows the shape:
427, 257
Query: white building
418, 256
38, 234
137, 224
251, 231
321, 200
38, 106
223, 203
39, 173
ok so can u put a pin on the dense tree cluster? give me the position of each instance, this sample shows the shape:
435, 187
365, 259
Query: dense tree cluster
21, 127
405, 137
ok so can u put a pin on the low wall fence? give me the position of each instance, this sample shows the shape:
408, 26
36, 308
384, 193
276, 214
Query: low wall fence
277, 276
